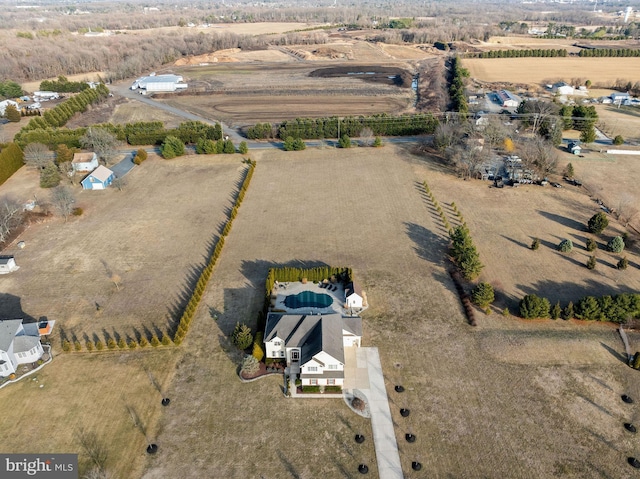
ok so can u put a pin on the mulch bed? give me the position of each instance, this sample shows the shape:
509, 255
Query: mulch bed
261, 372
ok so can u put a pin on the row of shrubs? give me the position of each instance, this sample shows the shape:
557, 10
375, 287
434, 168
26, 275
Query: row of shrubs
536, 52
196, 296
61, 113
334, 127
610, 52
111, 344
291, 274
456, 86
616, 309
11, 159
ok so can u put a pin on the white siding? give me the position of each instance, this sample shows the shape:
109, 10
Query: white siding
274, 348
354, 300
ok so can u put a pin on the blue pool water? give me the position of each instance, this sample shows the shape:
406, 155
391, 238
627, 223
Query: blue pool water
308, 299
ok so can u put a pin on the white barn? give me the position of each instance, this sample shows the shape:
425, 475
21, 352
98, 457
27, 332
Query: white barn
8, 264
159, 83
84, 162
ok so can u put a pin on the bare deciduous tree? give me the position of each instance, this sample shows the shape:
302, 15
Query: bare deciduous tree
94, 448
102, 142
539, 155
63, 199
36, 155
10, 216
447, 135
66, 169
367, 136
119, 182
627, 208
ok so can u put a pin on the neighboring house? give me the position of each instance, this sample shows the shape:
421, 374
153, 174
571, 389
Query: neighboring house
620, 97
507, 99
4, 104
98, 179
8, 264
353, 295
87, 162
20, 344
312, 345
562, 88
574, 147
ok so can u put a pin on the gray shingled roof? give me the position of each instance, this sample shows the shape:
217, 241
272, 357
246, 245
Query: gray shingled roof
353, 325
8, 330
312, 333
22, 344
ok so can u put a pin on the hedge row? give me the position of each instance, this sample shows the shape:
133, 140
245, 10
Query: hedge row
11, 159
111, 344
616, 309
333, 127
290, 274
537, 52
456, 86
196, 295
610, 52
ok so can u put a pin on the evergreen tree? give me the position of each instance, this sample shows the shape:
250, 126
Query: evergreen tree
241, 336
12, 114
49, 176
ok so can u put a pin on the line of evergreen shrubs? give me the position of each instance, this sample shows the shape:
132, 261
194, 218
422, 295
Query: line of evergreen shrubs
11, 160
536, 52
610, 52
616, 309
291, 274
319, 128
464, 253
456, 86
205, 275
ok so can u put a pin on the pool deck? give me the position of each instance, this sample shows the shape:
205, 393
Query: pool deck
288, 289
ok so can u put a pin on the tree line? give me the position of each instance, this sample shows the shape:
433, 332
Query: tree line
617, 309
63, 85
334, 127
609, 52
457, 75
537, 52
11, 159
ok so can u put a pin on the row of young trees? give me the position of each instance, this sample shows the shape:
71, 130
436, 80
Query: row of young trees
536, 52
464, 252
609, 52
187, 316
11, 159
292, 274
457, 75
334, 127
63, 85
61, 113
617, 309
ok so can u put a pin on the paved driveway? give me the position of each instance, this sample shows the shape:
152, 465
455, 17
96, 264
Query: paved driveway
363, 371
123, 167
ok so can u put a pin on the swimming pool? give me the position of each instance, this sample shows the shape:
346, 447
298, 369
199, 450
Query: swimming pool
308, 299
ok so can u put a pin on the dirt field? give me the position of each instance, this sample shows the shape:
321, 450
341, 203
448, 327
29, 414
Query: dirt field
244, 93
512, 398
264, 28
538, 70
153, 242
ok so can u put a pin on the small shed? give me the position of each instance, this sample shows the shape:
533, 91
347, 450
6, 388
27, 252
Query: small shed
8, 264
574, 148
353, 295
86, 161
99, 179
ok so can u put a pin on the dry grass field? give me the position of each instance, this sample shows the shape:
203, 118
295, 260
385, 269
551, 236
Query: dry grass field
133, 111
258, 28
152, 235
538, 70
509, 398
623, 121
479, 407
90, 76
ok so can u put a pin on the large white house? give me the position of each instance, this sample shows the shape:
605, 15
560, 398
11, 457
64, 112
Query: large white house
312, 345
20, 343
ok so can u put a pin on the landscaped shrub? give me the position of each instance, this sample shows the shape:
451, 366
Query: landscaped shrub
66, 346
143, 342
345, 141
597, 223
243, 148
132, 344
377, 142
258, 351
166, 340
591, 262
535, 244
533, 306
591, 244
77, 211
568, 312
333, 389
556, 311
77, 345
241, 336
89, 345
618, 140
111, 343
122, 344
99, 345
483, 295
141, 155
250, 365
565, 246
155, 342
616, 244
311, 389
623, 263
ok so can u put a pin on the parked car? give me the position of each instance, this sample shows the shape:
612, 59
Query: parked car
556, 185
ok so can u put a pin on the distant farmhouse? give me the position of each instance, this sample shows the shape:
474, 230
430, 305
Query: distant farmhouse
5, 103
562, 88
